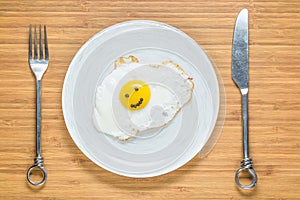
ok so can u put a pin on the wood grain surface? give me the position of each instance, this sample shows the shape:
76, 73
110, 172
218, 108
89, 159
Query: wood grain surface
274, 108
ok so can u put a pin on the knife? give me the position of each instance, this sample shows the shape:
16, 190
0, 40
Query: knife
240, 77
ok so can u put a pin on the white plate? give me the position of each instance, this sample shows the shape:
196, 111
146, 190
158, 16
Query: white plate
173, 145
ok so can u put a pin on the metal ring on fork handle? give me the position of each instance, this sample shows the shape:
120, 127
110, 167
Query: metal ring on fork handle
42, 169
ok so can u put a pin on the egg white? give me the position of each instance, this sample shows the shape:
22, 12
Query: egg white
171, 88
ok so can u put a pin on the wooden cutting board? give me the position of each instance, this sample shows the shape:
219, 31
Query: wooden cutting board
274, 110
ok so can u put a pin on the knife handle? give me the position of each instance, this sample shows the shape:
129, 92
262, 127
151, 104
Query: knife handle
245, 123
246, 163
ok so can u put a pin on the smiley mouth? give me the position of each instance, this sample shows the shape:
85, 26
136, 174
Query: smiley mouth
137, 104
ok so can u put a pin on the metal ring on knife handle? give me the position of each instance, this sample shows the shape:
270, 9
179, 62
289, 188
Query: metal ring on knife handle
246, 165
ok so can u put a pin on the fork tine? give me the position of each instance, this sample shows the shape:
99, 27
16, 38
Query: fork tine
30, 44
35, 44
41, 44
46, 44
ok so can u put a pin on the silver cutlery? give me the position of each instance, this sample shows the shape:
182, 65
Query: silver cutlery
240, 77
38, 64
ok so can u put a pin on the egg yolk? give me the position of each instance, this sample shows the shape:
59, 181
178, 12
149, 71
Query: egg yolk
135, 95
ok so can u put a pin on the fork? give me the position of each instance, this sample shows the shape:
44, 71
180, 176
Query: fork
38, 64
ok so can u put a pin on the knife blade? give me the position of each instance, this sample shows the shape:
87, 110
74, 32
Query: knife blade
240, 51
240, 77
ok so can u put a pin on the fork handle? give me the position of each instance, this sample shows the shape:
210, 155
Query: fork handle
38, 118
38, 161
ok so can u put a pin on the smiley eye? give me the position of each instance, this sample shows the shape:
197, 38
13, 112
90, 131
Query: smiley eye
136, 89
126, 95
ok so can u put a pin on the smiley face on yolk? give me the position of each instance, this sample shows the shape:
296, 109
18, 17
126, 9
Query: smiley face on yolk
135, 95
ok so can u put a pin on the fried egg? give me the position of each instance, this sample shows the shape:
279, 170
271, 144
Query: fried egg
136, 97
